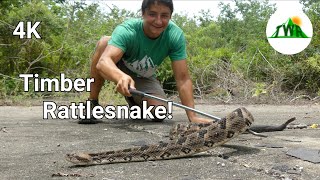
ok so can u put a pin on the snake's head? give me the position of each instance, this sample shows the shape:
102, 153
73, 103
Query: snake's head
239, 120
247, 116
79, 158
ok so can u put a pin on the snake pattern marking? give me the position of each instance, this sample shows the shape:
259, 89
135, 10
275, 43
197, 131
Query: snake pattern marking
185, 141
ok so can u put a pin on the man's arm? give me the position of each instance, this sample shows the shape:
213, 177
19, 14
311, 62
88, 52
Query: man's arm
185, 89
109, 71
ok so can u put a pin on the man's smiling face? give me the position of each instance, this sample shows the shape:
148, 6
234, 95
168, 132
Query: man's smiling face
156, 19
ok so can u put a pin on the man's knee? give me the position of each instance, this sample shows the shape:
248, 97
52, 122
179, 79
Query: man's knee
103, 42
101, 46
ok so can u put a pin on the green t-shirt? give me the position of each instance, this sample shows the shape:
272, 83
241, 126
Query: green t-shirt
143, 55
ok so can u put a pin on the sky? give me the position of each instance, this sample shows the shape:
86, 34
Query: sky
192, 7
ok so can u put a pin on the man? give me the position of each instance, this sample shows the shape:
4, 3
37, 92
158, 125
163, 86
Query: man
129, 58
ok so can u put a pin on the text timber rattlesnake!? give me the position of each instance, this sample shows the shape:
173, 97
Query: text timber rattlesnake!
193, 139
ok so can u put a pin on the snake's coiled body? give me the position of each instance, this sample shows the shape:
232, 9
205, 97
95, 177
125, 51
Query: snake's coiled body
191, 141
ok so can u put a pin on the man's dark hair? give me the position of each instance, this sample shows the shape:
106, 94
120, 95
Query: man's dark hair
147, 3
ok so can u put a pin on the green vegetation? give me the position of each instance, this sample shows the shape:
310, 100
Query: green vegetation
229, 56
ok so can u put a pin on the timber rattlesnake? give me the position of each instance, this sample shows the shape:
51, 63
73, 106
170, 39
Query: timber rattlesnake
191, 141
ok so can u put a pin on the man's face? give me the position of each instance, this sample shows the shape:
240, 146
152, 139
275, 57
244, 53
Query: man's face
156, 19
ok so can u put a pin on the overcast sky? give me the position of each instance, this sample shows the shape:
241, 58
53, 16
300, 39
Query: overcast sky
192, 7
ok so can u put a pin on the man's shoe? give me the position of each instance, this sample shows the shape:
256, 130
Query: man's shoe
91, 119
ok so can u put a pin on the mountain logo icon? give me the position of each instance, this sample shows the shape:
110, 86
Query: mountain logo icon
289, 32
291, 29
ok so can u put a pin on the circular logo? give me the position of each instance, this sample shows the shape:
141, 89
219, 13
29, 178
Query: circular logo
289, 32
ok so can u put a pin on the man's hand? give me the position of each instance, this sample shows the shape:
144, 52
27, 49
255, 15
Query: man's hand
124, 83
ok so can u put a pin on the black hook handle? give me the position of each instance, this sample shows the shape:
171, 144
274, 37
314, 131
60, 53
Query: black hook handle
136, 92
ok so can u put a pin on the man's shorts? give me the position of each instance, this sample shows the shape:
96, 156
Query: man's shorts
148, 85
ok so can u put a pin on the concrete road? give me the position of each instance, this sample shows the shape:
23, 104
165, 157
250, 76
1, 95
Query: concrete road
33, 148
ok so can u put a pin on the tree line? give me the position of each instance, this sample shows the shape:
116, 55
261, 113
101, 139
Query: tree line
229, 55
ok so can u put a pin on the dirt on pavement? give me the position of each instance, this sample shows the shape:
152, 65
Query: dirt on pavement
33, 148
